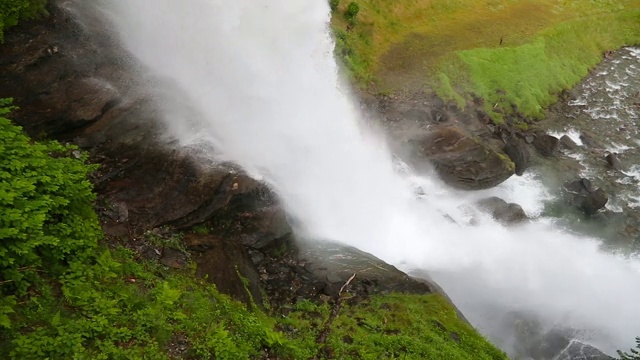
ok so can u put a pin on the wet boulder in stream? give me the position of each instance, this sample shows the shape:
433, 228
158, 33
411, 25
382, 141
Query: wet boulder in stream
613, 161
506, 213
546, 144
464, 161
567, 142
584, 195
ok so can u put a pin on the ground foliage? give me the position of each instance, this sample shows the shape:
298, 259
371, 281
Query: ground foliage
12, 11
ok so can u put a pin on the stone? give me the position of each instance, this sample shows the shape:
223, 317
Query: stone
590, 140
582, 194
519, 153
613, 161
463, 161
506, 213
566, 142
546, 144
173, 258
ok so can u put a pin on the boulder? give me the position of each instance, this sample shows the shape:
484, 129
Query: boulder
506, 213
546, 144
463, 161
613, 161
585, 196
567, 142
590, 140
519, 153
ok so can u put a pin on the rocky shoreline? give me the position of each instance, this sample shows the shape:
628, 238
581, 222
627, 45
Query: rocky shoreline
172, 205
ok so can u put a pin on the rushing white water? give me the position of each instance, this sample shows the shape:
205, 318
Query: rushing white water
256, 79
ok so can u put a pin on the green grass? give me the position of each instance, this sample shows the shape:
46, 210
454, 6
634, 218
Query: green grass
393, 326
526, 78
516, 55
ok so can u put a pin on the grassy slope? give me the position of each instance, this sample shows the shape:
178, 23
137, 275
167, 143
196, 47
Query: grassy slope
65, 296
454, 47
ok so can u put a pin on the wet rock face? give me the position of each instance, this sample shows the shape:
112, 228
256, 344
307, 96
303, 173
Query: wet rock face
519, 153
60, 78
319, 270
506, 213
584, 195
463, 161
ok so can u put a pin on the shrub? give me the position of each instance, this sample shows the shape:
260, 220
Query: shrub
11, 11
334, 4
46, 213
352, 11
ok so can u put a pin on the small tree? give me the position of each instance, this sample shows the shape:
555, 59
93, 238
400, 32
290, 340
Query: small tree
334, 4
352, 11
634, 353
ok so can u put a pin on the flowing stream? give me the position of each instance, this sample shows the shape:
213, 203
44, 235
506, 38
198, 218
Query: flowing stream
257, 81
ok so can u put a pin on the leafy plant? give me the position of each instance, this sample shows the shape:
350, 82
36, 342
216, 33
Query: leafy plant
46, 211
11, 11
333, 4
352, 11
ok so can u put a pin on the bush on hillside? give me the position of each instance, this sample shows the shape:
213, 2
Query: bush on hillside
46, 214
334, 4
11, 11
352, 11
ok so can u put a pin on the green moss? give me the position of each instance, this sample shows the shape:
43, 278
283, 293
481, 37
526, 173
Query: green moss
394, 326
398, 326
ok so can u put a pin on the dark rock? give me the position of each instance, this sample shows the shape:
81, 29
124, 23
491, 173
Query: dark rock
416, 115
590, 140
567, 143
507, 213
613, 161
225, 263
582, 194
438, 116
173, 258
546, 144
463, 161
519, 153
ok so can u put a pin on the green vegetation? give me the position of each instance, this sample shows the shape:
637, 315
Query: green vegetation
11, 11
394, 326
64, 296
634, 354
516, 55
66, 293
333, 4
352, 12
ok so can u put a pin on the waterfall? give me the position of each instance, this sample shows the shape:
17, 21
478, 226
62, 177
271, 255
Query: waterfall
261, 86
